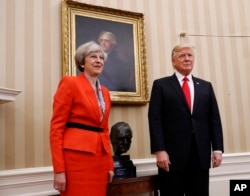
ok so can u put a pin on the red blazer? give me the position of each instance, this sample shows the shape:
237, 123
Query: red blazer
75, 101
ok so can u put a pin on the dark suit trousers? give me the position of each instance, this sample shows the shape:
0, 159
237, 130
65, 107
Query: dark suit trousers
192, 181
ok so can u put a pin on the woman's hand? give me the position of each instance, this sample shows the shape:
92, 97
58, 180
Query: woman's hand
110, 176
60, 181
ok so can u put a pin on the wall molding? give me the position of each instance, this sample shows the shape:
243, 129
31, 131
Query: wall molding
7, 94
39, 181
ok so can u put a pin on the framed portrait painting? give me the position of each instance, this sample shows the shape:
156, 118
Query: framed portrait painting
125, 70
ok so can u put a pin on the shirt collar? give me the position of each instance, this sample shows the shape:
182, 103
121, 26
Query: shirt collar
180, 76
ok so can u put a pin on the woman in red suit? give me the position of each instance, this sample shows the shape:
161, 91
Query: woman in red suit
79, 134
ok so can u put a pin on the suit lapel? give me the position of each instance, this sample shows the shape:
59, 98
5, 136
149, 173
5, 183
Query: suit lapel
177, 88
91, 96
107, 104
196, 93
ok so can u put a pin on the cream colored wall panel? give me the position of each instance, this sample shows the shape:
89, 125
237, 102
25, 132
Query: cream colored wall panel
29, 84
19, 136
2, 136
153, 42
52, 65
244, 11
137, 6
134, 124
244, 27
165, 36
38, 85
3, 40
9, 125
19, 73
125, 5
18, 56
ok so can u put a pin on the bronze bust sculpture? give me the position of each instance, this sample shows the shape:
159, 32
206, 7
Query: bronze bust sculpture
121, 136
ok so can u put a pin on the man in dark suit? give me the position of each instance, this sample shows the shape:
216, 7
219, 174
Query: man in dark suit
183, 135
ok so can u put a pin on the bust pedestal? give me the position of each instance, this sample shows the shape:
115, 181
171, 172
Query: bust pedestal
124, 167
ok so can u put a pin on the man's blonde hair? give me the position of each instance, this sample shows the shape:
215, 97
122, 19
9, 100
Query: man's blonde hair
178, 47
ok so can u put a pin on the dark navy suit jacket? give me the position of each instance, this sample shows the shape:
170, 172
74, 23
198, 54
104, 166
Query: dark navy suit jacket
172, 125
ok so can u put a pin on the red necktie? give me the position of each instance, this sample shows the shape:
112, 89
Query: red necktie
186, 91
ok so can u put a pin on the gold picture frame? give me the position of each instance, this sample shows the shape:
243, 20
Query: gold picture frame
83, 22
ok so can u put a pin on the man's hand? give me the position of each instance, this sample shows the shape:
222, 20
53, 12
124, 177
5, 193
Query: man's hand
216, 159
162, 160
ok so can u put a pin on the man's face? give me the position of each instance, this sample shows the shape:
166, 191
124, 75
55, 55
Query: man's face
121, 141
183, 61
106, 43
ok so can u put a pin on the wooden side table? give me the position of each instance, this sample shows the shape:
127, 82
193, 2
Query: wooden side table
130, 186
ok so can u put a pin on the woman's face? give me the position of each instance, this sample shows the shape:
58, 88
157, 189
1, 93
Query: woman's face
94, 63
